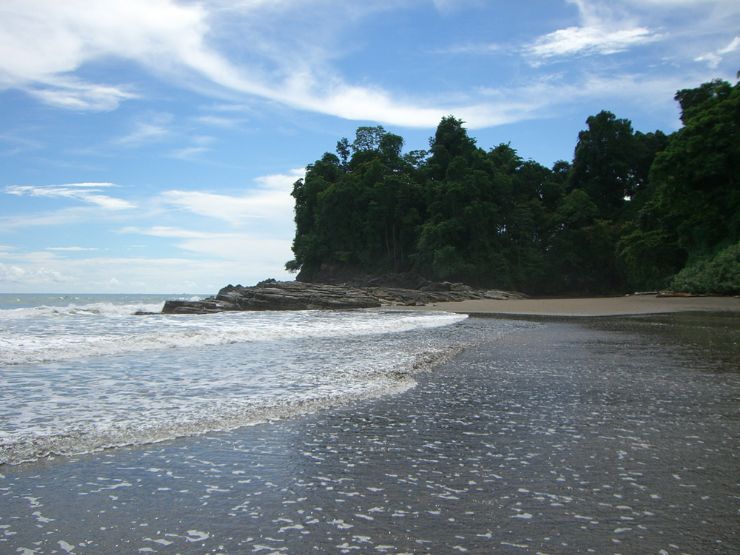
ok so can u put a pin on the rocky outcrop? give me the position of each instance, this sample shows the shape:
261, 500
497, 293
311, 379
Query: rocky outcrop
275, 295
295, 295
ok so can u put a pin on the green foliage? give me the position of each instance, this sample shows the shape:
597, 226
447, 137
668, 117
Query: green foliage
650, 257
719, 274
628, 212
604, 162
696, 178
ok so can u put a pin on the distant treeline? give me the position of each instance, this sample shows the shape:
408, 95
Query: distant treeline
632, 211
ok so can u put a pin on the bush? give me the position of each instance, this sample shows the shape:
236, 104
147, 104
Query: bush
719, 274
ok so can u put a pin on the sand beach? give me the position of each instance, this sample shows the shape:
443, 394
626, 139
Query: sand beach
592, 306
567, 435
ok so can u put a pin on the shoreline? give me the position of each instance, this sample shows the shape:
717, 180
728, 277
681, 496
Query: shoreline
632, 305
524, 441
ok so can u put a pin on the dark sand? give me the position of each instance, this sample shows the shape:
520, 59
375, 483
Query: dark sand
589, 436
592, 306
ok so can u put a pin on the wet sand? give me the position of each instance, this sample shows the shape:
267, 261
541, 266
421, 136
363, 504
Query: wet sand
615, 435
597, 306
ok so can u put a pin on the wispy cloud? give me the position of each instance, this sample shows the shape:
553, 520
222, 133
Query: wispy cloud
14, 273
546, 97
71, 249
713, 59
77, 95
602, 31
64, 216
270, 203
242, 257
480, 48
588, 40
200, 268
170, 232
282, 181
219, 121
199, 145
154, 129
86, 192
46, 42
18, 144
188, 152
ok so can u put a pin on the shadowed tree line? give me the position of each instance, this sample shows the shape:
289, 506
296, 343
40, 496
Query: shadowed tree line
632, 211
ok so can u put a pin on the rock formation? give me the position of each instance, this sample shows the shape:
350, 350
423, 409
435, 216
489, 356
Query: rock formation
296, 295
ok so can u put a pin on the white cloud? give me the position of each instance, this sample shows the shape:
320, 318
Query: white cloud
11, 273
61, 217
282, 181
230, 246
71, 249
713, 59
31, 273
18, 144
236, 210
601, 31
589, 40
219, 258
170, 232
44, 42
544, 97
76, 95
199, 146
219, 121
85, 192
270, 204
153, 129
733, 46
482, 48
255, 243
188, 152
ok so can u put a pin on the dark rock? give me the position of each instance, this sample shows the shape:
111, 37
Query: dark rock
275, 295
296, 295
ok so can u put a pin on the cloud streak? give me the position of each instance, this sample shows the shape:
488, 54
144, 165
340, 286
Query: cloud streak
713, 59
90, 193
45, 43
269, 204
154, 129
601, 32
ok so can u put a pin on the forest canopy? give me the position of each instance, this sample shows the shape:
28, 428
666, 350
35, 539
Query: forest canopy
631, 211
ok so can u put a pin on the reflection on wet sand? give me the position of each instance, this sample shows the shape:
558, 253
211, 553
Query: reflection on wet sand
602, 436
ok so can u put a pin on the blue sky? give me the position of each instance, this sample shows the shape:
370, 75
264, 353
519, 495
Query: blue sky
151, 145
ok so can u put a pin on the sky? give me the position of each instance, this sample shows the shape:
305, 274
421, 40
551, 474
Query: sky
150, 146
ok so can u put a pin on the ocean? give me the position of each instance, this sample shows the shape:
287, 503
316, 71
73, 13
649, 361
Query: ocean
82, 373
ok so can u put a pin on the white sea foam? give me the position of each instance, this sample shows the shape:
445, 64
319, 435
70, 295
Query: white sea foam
98, 330
87, 377
73, 309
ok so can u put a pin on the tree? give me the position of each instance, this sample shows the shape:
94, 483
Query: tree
604, 162
631, 210
697, 176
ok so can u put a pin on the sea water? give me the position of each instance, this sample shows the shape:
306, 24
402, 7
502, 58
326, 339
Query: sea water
81, 373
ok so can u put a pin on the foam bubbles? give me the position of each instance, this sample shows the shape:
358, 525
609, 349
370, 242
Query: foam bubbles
84, 378
53, 334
